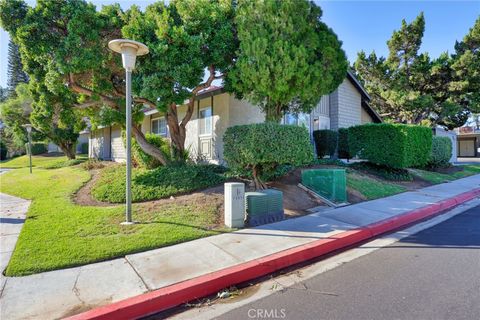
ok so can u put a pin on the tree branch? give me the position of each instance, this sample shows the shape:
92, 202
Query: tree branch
82, 90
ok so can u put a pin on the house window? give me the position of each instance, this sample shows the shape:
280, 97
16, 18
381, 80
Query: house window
205, 121
159, 126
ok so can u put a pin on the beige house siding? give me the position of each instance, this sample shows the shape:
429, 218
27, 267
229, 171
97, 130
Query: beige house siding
320, 116
366, 118
118, 147
99, 144
243, 112
349, 105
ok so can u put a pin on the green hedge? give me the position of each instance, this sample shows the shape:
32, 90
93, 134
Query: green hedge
144, 160
325, 142
343, 148
264, 146
393, 145
38, 148
441, 152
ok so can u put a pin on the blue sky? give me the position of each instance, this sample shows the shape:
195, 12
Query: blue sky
364, 25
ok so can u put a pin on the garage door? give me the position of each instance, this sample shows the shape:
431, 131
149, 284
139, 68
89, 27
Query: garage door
466, 148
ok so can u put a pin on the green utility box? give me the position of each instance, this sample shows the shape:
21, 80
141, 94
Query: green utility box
264, 206
329, 183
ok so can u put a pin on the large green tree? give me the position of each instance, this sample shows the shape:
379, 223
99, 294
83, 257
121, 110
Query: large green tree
186, 39
15, 73
287, 59
410, 87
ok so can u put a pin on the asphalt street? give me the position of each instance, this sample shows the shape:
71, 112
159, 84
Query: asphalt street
434, 274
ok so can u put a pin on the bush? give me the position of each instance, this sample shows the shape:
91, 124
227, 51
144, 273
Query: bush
84, 148
158, 183
392, 145
263, 147
3, 151
38, 148
147, 161
343, 149
441, 152
325, 142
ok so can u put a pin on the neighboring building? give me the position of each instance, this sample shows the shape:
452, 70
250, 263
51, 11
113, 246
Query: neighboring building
82, 138
468, 142
216, 110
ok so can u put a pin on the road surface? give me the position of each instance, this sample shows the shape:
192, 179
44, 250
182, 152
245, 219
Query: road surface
434, 274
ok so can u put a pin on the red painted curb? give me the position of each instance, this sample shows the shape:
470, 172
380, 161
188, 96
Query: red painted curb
174, 295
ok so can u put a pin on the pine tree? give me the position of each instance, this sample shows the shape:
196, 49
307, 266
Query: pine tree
15, 71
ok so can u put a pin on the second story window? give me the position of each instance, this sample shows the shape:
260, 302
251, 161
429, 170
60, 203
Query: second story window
159, 126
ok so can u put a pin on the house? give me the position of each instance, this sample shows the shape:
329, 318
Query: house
83, 138
468, 141
216, 110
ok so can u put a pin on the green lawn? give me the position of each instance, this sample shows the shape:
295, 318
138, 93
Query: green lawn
372, 188
59, 234
436, 177
38, 161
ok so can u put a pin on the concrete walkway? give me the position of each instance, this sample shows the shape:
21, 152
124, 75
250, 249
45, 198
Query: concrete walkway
12, 216
66, 292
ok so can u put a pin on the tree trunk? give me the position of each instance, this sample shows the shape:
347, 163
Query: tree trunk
259, 184
147, 147
68, 149
273, 113
177, 133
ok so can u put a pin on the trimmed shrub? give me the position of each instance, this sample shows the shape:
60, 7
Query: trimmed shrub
325, 142
38, 148
441, 152
3, 151
263, 147
343, 148
141, 159
392, 145
84, 148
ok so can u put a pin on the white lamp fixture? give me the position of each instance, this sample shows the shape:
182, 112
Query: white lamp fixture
129, 50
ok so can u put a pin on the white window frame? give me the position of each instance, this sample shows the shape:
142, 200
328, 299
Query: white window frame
200, 119
163, 134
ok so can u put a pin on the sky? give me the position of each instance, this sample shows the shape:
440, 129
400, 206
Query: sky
362, 25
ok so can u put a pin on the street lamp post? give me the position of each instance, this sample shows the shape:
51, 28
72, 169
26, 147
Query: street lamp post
130, 50
28, 126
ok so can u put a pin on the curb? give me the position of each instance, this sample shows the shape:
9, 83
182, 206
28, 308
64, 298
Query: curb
177, 294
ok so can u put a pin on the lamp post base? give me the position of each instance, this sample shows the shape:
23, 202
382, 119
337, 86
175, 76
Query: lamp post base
127, 223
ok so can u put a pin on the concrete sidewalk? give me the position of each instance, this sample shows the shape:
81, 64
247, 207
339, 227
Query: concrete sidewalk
12, 216
67, 292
